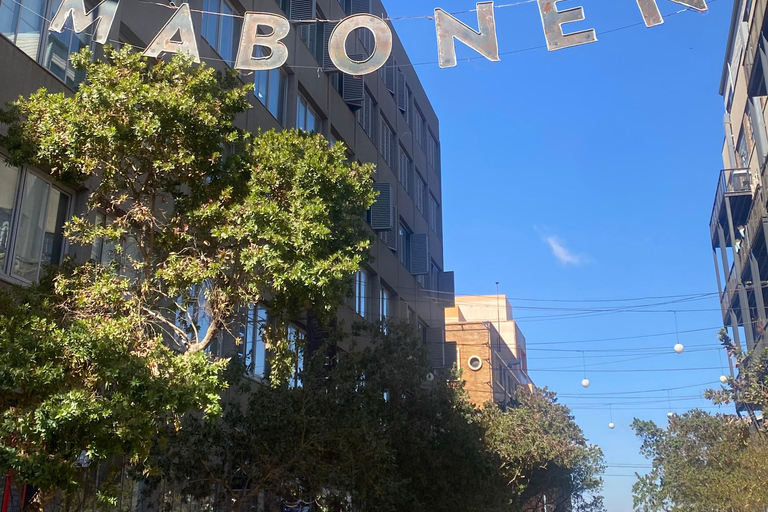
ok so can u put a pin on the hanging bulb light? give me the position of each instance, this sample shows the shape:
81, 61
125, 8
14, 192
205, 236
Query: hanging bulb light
723, 379
611, 425
670, 414
585, 383
679, 348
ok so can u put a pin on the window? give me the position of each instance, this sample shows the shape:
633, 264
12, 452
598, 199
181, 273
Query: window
420, 193
387, 141
408, 113
434, 276
384, 303
422, 331
270, 88
32, 216
23, 22
306, 118
313, 35
434, 214
742, 151
361, 293
365, 116
296, 337
254, 347
405, 170
433, 152
420, 128
193, 317
404, 246
222, 31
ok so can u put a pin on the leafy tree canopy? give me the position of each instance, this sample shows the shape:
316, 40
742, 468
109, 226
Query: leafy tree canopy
701, 462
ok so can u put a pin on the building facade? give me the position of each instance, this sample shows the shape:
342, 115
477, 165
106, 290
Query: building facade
384, 118
488, 346
739, 222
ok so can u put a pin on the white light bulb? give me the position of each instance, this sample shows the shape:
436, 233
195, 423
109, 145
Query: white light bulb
724, 379
585, 383
670, 414
611, 426
679, 348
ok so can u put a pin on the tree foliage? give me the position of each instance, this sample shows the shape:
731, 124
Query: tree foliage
702, 462
204, 219
542, 451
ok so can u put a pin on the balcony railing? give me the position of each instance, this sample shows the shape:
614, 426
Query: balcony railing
732, 181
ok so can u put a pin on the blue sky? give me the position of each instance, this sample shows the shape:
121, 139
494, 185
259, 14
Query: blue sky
589, 174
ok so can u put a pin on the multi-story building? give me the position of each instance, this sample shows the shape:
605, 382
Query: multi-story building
739, 223
384, 118
488, 348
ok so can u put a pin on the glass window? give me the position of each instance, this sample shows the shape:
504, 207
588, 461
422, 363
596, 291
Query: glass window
270, 88
420, 128
222, 31
254, 346
21, 21
29, 237
420, 192
434, 214
361, 293
387, 142
9, 177
433, 152
306, 118
365, 116
405, 170
384, 303
59, 47
404, 246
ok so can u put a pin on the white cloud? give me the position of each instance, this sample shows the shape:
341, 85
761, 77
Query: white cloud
564, 255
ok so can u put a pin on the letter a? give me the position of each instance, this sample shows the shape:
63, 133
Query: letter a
250, 38
449, 28
181, 23
102, 15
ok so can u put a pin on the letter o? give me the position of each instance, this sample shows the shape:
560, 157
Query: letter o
337, 44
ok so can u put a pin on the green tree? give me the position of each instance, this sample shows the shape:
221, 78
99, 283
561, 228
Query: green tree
750, 387
541, 451
204, 220
366, 429
701, 462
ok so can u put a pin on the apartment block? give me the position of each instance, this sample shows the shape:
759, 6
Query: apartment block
384, 118
488, 346
739, 222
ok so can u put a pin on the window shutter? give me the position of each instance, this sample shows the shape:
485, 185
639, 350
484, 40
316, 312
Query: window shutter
381, 210
419, 254
361, 6
302, 10
435, 347
391, 235
353, 90
309, 34
402, 100
390, 74
403, 310
327, 62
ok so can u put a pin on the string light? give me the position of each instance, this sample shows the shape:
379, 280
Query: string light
585, 383
611, 425
679, 348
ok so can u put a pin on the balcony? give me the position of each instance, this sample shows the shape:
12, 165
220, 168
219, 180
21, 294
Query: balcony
734, 186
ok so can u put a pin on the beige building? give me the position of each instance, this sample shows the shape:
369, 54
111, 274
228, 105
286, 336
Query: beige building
490, 349
739, 222
384, 118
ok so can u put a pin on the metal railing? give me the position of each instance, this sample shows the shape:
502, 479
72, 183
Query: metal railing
732, 181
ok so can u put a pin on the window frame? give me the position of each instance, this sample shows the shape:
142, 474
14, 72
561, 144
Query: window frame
308, 108
6, 268
220, 18
282, 100
386, 141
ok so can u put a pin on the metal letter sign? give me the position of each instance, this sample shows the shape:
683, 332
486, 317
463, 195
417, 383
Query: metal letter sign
652, 16
337, 45
250, 38
102, 15
181, 23
449, 28
552, 20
